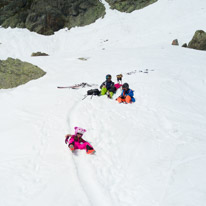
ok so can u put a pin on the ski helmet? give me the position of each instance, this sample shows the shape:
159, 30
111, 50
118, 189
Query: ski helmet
79, 130
108, 76
125, 86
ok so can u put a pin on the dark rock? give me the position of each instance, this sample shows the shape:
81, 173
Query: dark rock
198, 41
184, 45
14, 72
175, 42
83, 59
35, 54
129, 5
4, 3
47, 16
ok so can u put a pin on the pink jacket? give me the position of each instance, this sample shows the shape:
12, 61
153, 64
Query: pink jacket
117, 86
78, 144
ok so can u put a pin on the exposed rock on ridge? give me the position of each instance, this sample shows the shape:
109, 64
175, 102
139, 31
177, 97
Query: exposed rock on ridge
47, 16
129, 5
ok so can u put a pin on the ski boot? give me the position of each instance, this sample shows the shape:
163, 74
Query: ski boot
110, 94
89, 150
71, 147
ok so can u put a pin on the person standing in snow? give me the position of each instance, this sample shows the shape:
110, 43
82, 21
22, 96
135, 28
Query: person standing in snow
126, 95
107, 87
77, 142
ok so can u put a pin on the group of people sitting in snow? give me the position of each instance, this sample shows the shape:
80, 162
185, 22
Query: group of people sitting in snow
107, 87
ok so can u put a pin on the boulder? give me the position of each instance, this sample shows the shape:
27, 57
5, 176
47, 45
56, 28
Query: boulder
129, 5
83, 59
35, 54
14, 72
198, 41
175, 42
47, 16
4, 3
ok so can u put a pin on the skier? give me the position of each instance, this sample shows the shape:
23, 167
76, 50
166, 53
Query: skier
107, 87
77, 142
126, 95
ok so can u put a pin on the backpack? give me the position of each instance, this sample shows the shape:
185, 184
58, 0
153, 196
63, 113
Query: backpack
95, 92
92, 92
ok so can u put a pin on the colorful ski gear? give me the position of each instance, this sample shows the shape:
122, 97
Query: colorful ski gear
125, 86
108, 76
78, 143
89, 150
123, 97
127, 99
79, 130
108, 84
67, 138
71, 147
104, 91
117, 86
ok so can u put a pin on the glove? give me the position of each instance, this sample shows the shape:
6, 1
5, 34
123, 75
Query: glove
67, 137
66, 140
122, 97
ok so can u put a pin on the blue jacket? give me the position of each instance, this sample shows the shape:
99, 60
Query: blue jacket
128, 92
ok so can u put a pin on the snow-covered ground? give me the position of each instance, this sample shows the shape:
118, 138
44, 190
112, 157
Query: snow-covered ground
150, 153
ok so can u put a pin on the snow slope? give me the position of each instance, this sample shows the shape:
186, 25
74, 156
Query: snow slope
149, 153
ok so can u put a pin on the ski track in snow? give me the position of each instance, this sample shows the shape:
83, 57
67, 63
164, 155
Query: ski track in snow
110, 164
96, 194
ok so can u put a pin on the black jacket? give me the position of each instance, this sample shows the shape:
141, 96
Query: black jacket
109, 85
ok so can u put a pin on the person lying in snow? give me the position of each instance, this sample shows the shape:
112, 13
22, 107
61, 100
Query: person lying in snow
107, 87
126, 95
76, 141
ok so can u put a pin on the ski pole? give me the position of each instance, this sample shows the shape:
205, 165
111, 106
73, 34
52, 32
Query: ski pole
85, 96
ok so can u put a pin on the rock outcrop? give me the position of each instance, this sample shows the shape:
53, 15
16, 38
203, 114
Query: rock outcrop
198, 41
14, 72
129, 5
47, 16
175, 42
185, 45
37, 54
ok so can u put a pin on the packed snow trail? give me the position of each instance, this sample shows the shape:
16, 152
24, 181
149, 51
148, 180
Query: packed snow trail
85, 170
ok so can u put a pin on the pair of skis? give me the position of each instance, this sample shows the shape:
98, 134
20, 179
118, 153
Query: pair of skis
77, 86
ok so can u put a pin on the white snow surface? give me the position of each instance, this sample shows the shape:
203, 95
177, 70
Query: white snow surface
149, 153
